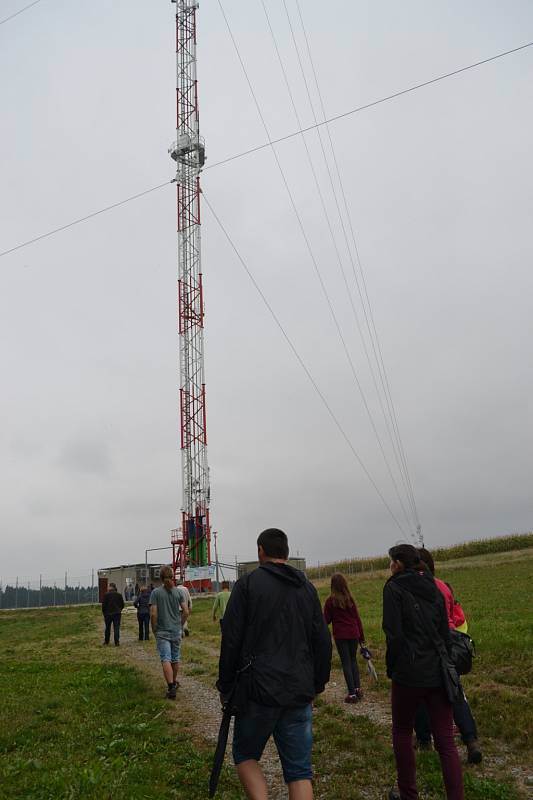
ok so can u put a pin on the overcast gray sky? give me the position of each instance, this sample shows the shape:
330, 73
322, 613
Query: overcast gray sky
440, 187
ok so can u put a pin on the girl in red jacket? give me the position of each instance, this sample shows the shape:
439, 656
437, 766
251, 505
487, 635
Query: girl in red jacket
341, 610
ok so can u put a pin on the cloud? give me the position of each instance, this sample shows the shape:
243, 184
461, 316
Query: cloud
86, 457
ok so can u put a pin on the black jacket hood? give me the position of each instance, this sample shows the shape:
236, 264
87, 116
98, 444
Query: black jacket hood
421, 584
284, 572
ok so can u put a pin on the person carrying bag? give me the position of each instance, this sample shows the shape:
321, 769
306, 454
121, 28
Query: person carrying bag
462, 654
418, 659
275, 657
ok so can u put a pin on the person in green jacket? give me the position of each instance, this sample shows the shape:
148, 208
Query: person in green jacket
221, 601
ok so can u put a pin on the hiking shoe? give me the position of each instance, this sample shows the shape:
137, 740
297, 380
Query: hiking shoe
348, 698
359, 693
353, 698
474, 752
171, 692
393, 795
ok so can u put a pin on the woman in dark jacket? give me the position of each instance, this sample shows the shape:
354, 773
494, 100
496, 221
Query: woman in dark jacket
341, 610
410, 601
142, 604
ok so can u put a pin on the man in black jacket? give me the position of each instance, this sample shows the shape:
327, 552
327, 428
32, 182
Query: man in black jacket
274, 623
112, 606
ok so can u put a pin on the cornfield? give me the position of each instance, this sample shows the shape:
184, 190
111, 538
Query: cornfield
477, 547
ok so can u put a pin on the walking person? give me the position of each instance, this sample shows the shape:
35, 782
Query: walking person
168, 612
341, 610
112, 605
221, 601
142, 604
462, 714
410, 598
274, 633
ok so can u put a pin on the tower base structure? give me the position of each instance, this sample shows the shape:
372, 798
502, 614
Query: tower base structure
191, 553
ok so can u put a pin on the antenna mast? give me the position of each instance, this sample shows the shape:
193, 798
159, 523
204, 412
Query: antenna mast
191, 543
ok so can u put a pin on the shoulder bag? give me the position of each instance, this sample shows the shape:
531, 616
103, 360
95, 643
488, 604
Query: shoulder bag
449, 673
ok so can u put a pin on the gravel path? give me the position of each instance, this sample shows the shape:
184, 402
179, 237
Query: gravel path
203, 708
201, 703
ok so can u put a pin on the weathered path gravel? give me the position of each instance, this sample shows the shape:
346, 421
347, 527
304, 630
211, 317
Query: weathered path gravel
201, 703
203, 712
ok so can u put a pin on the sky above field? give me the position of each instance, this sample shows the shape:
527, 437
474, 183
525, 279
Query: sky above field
440, 190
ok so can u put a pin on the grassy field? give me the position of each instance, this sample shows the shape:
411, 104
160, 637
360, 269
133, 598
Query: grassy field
77, 724
79, 721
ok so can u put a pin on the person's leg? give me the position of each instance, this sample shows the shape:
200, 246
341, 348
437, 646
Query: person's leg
168, 672
343, 649
165, 654
252, 730
404, 701
422, 726
293, 735
301, 790
146, 622
140, 622
353, 662
107, 633
441, 719
467, 727
175, 659
252, 779
116, 628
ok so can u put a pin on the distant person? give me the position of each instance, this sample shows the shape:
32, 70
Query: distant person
186, 631
142, 604
462, 714
341, 610
274, 624
168, 611
411, 601
112, 606
221, 601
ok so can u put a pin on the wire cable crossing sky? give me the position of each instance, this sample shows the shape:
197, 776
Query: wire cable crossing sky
408, 331
263, 146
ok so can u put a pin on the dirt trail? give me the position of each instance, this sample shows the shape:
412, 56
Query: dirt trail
203, 709
201, 703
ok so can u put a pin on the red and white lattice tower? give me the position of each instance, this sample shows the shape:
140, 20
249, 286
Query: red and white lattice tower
191, 541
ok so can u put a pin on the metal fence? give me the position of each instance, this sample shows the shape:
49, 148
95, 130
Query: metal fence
21, 592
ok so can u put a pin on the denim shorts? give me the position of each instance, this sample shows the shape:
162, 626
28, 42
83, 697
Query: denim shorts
169, 650
292, 729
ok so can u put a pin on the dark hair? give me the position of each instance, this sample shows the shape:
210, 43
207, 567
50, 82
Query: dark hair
274, 543
225, 584
407, 554
113, 586
340, 593
427, 558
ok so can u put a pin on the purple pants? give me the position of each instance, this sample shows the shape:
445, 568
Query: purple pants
405, 700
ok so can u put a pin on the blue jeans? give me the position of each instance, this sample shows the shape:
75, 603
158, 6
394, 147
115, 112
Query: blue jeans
144, 626
169, 650
292, 729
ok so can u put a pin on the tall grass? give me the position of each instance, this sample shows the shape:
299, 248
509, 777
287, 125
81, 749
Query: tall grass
477, 547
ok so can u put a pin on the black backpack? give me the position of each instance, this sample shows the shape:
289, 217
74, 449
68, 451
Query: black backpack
463, 651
